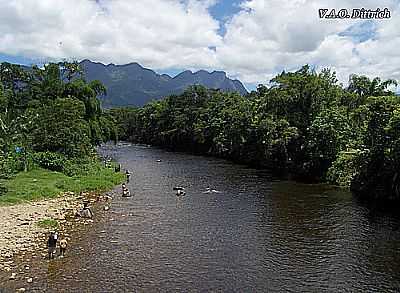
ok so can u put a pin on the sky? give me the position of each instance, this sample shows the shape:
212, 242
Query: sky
252, 40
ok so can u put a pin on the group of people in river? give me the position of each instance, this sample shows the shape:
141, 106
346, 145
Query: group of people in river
84, 212
180, 191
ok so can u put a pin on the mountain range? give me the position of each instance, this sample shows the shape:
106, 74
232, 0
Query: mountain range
134, 85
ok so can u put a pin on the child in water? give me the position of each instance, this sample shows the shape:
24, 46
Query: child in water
63, 247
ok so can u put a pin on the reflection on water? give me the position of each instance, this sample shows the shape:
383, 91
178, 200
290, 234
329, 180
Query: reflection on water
254, 236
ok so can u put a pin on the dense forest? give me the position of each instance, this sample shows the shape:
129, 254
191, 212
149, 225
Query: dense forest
49, 118
304, 124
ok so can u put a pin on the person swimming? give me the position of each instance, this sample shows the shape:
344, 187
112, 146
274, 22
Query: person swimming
180, 191
209, 190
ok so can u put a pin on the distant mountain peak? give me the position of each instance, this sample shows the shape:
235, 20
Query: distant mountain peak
134, 85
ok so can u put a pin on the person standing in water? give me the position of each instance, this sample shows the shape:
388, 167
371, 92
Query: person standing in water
63, 246
52, 244
128, 175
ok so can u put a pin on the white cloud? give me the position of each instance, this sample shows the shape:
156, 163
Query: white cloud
265, 37
268, 36
159, 33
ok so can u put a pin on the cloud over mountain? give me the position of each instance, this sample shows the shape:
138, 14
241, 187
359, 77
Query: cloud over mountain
263, 38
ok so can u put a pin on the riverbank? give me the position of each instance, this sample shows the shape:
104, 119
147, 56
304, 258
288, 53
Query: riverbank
23, 235
39, 201
24, 226
40, 183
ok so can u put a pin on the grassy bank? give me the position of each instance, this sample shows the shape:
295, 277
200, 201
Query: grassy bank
40, 183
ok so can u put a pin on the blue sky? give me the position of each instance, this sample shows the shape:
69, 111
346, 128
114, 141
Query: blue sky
251, 40
223, 11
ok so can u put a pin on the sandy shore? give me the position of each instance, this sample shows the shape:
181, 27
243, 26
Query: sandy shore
20, 233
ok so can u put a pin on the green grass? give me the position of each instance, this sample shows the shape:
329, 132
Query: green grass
48, 224
40, 184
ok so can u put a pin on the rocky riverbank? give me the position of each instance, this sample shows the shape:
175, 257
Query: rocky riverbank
23, 236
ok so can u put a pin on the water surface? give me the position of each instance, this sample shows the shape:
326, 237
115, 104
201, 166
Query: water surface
255, 235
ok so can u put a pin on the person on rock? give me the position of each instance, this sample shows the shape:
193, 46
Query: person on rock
86, 212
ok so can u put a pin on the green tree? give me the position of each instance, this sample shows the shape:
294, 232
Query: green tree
61, 127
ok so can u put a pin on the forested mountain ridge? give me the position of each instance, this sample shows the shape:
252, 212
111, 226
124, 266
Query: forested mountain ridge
133, 85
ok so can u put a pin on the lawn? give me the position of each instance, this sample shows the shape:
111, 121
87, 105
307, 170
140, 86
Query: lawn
40, 184
49, 224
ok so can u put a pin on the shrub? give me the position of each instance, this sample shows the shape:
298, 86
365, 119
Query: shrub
345, 168
49, 224
10, 164
49, 160
3, 189
79, 167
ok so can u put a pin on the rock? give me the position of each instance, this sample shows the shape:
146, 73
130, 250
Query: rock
21, 290
29, 280
23, 224
13, 276
106, 208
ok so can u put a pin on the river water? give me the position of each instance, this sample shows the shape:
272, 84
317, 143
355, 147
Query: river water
254, 235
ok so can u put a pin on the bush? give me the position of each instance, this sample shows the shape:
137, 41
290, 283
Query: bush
79, 167
345, 168
50, 161
10, 164
3, 189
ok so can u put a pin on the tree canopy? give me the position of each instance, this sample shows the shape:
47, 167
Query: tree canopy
49, 110
305, 124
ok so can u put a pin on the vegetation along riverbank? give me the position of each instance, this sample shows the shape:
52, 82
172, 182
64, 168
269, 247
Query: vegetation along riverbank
304, 123
50, 123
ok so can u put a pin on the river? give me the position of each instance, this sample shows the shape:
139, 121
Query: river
253, 235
